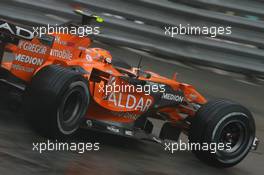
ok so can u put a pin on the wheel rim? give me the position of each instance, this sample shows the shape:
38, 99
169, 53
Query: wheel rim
71, 106
236, 125
233, 133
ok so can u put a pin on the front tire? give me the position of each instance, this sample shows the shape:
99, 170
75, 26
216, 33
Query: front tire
57, 101
226, 122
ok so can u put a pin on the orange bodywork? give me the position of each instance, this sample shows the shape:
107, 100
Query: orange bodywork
71, 51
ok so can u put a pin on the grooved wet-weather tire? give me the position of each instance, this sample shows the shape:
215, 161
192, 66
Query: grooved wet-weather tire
56, 101
222, 122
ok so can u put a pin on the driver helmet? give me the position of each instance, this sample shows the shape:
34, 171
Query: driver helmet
99, 54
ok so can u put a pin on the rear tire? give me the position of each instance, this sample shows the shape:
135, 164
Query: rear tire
57, 101
223, 121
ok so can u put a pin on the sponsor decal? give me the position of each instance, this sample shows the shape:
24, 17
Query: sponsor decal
64, 54
89, 123
109, 71
108, 60
81, 48
88, 64
35, 48
113, 129
173, 97
130, 102
64, 43
29, 60
59, 41
129, 133
22, 68
15, 30
129, 115
88, 58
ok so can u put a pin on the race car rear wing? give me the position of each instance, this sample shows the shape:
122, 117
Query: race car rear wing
12, 30
11, 33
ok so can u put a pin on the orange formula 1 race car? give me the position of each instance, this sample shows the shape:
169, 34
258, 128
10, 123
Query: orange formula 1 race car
66, 85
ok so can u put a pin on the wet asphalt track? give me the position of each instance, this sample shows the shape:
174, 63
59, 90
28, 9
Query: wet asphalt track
119, 155
126, 156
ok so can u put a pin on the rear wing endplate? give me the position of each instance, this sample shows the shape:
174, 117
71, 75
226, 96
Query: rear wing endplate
12, 33
8, 29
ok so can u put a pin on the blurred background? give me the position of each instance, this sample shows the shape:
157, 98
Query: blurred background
227, 66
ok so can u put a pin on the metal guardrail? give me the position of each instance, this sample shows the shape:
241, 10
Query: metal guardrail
242, 7
150, 35
243, 30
